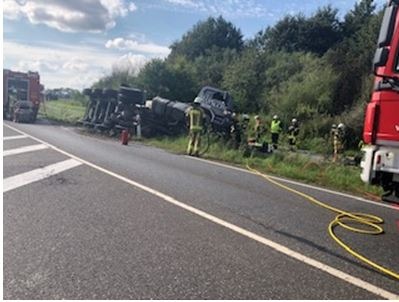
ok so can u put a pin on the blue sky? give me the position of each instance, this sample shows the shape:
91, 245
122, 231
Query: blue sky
72, 43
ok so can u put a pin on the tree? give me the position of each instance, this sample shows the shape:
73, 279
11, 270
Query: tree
297, 33
243, 79
172, 81
358, 17
351, 60
205, 35
115, 79
210, 67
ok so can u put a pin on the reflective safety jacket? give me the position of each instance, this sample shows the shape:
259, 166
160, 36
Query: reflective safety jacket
276, 126
196, 116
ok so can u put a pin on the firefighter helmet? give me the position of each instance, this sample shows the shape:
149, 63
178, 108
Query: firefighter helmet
197, 100
275, 117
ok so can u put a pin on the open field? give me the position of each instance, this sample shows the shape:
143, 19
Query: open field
65, 111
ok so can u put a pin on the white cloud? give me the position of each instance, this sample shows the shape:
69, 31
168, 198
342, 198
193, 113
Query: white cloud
68, 66
76, 65
128, 44
228, 8
131, 63
186, 3
132, 7
37, 65
71, 15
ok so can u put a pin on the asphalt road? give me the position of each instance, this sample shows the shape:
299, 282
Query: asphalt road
136, 222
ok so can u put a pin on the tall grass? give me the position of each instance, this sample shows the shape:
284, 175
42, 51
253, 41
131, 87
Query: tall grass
67, 111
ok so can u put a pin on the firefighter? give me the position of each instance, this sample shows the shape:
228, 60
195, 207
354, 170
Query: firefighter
293, 131
275, 129
236, 130
258, 129
137, 122
244, 122
196, 117
338, 134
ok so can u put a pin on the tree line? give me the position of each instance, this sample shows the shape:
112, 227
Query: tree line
316, 68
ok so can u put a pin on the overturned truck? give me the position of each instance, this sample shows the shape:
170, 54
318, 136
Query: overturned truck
114, 110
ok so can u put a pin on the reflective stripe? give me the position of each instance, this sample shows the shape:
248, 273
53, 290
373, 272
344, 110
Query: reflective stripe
195, 119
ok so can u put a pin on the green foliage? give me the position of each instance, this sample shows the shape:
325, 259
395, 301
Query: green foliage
351, 60
244, 81
173, 81
358, 16
115, 80
315, 34
306, 94
210, 67
66, 111
206, 35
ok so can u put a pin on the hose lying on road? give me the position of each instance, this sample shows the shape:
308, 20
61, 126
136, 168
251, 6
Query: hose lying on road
344, 219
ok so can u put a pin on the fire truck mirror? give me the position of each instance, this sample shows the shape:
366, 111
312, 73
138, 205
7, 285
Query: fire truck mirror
380, 58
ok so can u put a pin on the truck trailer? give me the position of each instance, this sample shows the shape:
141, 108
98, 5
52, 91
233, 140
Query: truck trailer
380, 163
22, 95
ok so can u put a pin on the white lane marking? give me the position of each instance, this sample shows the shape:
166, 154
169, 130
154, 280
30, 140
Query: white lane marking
271, 244
7, 138
297, 183
24, 149
13, 182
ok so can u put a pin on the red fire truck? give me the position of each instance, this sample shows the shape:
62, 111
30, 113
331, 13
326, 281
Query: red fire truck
381, 126
22, 94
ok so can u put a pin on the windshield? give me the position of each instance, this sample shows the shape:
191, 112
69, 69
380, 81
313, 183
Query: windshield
18, 89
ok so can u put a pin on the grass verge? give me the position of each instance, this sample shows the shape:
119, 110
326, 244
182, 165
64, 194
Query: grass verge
286, 164
65, 111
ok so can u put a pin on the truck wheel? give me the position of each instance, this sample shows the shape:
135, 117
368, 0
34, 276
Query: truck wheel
87, 92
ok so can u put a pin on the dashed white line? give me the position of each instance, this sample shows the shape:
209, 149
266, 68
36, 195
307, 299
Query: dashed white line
24, 149
7, 138
271, 244
13, 182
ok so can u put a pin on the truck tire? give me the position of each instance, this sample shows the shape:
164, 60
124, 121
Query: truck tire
97, 92
131, 95
110, 93
87, 92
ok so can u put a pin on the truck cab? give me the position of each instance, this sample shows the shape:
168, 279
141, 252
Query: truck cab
381, 126
218, 105
19, 87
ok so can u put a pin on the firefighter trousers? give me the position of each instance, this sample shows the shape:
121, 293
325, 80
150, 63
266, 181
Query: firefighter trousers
194, 143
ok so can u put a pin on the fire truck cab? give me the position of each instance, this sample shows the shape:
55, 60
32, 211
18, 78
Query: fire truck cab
380, 162
21, 91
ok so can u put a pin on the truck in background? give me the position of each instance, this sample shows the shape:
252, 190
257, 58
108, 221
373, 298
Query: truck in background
380, 163
22, 95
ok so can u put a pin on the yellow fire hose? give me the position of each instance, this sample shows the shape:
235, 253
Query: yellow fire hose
344, 219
